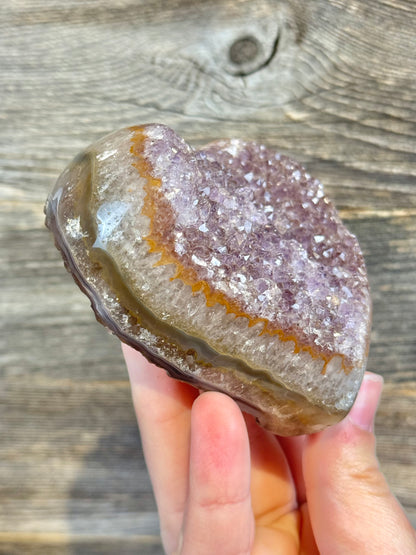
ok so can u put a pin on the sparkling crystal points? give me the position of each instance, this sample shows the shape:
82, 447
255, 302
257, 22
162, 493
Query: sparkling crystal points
227, 266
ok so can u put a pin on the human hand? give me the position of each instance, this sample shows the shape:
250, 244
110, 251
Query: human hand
225, 486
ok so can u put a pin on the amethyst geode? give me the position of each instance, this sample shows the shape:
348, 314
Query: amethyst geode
227, 266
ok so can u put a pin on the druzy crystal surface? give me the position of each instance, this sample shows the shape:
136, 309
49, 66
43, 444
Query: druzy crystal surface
227, 266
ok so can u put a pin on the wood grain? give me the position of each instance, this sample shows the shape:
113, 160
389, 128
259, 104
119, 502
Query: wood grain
332, 82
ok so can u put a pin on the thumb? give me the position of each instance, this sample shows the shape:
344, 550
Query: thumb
351, 507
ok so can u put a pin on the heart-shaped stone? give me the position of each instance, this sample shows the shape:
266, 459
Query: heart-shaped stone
227, 266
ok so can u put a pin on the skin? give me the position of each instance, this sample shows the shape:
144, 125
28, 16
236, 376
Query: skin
224, 485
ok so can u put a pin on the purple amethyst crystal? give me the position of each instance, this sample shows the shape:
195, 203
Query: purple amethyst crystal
228, 266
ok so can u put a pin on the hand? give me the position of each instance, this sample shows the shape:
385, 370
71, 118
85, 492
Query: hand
225, 486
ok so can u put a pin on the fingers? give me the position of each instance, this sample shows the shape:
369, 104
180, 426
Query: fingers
209, 482
272, 493
351, 507
218, 517
293, 448
163, 408
272, 489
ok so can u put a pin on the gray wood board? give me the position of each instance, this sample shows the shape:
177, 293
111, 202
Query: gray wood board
331, 82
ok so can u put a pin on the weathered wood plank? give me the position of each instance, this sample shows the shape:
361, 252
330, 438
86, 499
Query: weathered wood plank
54, 544
330, 82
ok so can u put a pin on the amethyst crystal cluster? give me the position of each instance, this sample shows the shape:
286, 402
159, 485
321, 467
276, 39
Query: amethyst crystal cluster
228, 266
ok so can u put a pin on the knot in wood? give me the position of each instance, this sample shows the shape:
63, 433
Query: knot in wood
244, 50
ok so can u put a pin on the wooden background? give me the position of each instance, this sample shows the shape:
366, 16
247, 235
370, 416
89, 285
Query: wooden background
332, 82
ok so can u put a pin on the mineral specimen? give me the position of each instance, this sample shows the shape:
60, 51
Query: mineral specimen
227, 266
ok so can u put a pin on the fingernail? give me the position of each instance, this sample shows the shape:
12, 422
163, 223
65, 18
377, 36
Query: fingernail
364, 409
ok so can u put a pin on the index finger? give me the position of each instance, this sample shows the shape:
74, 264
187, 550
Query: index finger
163, 409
